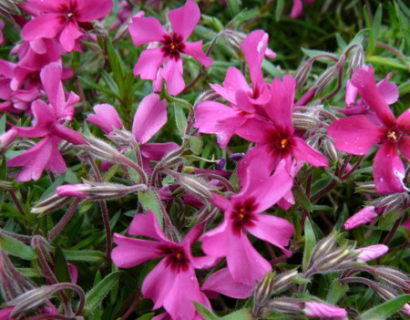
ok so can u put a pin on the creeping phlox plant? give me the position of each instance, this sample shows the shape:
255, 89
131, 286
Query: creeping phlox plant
159, 162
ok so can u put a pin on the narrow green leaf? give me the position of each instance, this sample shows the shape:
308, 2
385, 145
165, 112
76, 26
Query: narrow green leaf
385, 310
180, 118
16, 248
280, 4
310, 242
60, 266
234, 6
242, 314
336, 291
147, 316
205, 312
386, 61
97, 294
375, 29
92, 256
196, 143
150, 201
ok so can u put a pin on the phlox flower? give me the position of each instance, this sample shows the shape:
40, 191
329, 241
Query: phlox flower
315, 309
246, 101
62, 19
242, 214
365, 215
149, 118
172, 284
49, 125
5, 313
358, 134
168, 46
297, 8
276, 138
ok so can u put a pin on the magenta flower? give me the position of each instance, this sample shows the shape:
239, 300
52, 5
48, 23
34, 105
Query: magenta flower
276, 139
297, 8
65, 19
5, 314
49, 124
149, 118
172, 284
367, 214
214, 117
171, 45
357, 134
242, 214
316, 309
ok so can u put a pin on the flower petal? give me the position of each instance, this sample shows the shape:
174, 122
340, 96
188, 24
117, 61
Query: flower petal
172, 74
194, 49
51, 76
388, 170
106, 117
156, 151
372, 252
146, 225
365, 215
275, 230
148, 64
222, 282
44, 26
150, 117
254, 47
403, 121
355, 134
144, 30
183, 20
88, 10
132, 252
69, 36
303, 152
214, 242
245, 264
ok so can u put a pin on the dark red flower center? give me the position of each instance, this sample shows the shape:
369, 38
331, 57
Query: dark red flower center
173, 45
243, 215
394, 135
281, 142
68, 11
176, 258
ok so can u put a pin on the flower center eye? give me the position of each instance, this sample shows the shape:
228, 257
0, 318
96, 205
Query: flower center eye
176, 258
283, 143
243, 215
173, 45
392, 135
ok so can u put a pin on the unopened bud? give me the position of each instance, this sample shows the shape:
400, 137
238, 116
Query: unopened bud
317, 309
209, 95
392, 276
365, 215
371, 252
329, 149
101, 149
305, 121
283, 280
326, 78
393, 202
49, 204
324, 246
7, 138
302, 73
98, 190
9, 8
262, 293
357, 60
194, 185
205, 214
234, 38
99, 29
366, 187
288, 306
121, 137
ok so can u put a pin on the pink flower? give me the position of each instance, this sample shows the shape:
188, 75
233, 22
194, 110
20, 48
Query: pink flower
316, 309
106, 117
64, 19
276, 138
367, 214
242, 214
172, 284
214, 117
371, 252
48, 124
73, 190
357, 134
144, 30
5, 314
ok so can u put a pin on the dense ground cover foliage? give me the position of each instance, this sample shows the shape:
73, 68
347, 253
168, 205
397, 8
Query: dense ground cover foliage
180, 160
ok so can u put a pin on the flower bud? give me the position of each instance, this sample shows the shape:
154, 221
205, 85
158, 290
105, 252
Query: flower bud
366, 187
329, 149
392, 277
101, 150
326, 78
288, 306
262, 293
98, 190
302, 73
121, 137
9, 8
305, 121
283, 280
371, 252
49, 204
209, 95
324, 246
316, 309
365, 215
393, 202
7, 138
194, 185
357, 60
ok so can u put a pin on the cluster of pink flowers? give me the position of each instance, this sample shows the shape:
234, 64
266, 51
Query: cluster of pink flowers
259, 112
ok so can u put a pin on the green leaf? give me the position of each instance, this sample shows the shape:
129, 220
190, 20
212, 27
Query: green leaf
97, 294
234, 6
385, 310
16, 248
147, 316
196, 144
336, 291
150, 201
375, 29
279, 9
180, 118
310, 241
386, 61
92, 256
242, 314
205, 312
60, 265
